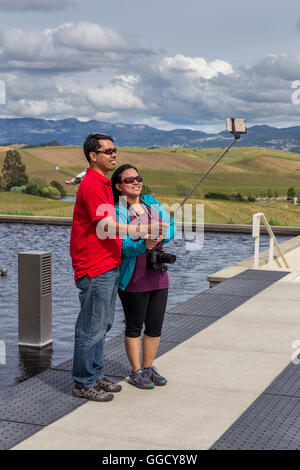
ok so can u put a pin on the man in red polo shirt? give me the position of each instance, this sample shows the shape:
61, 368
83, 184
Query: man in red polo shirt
96, 262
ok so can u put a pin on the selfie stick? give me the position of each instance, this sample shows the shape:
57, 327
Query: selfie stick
236, 131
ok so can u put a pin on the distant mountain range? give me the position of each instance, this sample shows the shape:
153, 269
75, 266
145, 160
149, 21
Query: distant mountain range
72, 132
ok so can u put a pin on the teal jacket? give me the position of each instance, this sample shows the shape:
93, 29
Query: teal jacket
131, 248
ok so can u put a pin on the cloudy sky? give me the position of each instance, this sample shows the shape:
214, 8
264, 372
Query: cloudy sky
165, 63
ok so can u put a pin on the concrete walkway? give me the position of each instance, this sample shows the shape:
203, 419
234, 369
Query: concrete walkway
212, 379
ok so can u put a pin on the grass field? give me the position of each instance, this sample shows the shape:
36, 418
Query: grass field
25, 204
225, 212
170, 173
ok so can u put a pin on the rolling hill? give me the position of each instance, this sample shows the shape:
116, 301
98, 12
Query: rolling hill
171, 172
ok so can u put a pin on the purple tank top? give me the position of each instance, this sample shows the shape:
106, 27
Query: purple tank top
143, 278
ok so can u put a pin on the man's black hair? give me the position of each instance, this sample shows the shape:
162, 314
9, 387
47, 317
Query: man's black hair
91, 143
117, 178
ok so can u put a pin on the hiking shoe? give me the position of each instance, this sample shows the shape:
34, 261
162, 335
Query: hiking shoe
95, 393
153, 375
138, 379
109, 386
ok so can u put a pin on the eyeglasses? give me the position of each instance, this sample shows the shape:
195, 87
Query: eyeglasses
107, 151
131, 179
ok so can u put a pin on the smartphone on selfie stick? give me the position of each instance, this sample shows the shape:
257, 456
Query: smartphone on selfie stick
235, 127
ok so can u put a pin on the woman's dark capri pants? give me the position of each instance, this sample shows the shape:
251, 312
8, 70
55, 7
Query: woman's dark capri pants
144, 307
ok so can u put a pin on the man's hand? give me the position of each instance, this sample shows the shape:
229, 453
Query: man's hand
153, 230
150, 244
108, 228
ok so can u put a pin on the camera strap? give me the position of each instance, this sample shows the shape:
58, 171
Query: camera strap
130, 209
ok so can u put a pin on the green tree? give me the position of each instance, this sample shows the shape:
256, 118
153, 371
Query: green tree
60, 188
291, 193
18, 189
40, 187
270, 193
13, 170
40, 183
216, 195
36, 186
50, 192
32, 189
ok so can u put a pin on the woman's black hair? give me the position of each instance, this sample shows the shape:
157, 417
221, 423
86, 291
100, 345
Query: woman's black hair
116, 178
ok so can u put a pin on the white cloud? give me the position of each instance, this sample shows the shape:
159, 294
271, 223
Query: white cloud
197, 67
110, 116
33, 108
192, 91
119, 94
283, 66
69, 47
90, 37
168, 94
34, 5
127, 79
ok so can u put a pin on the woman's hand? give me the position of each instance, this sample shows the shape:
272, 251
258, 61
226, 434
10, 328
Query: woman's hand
156, 229
150, 244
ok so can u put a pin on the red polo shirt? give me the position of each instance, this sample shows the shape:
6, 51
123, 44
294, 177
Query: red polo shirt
90, 255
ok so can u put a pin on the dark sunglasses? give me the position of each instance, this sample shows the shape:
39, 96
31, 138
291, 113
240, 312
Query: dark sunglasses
131, 179
107, 151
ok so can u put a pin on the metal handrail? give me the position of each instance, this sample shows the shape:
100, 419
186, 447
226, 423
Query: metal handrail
256, 234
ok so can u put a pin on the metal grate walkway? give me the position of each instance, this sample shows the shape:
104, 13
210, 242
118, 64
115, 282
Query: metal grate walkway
272, 422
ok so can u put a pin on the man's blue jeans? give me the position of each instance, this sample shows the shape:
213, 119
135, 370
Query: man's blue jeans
98, 300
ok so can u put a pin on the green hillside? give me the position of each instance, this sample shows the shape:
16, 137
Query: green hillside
170, 173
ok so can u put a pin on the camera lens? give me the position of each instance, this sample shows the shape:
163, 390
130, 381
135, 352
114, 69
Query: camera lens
166, 258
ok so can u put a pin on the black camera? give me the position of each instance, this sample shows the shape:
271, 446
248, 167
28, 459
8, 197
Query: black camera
157, 258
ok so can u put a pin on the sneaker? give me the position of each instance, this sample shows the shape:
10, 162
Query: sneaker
138, 379
95, 393
109, 386
153, 375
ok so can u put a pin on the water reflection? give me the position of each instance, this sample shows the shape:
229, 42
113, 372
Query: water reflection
34, 361
68, 198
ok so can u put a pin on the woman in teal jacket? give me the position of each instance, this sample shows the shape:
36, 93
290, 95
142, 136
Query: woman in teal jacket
143, 291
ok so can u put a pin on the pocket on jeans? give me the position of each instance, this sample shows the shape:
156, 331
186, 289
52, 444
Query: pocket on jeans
83, 283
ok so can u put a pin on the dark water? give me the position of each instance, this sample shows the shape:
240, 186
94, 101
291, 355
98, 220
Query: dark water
69, 198
188, 276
